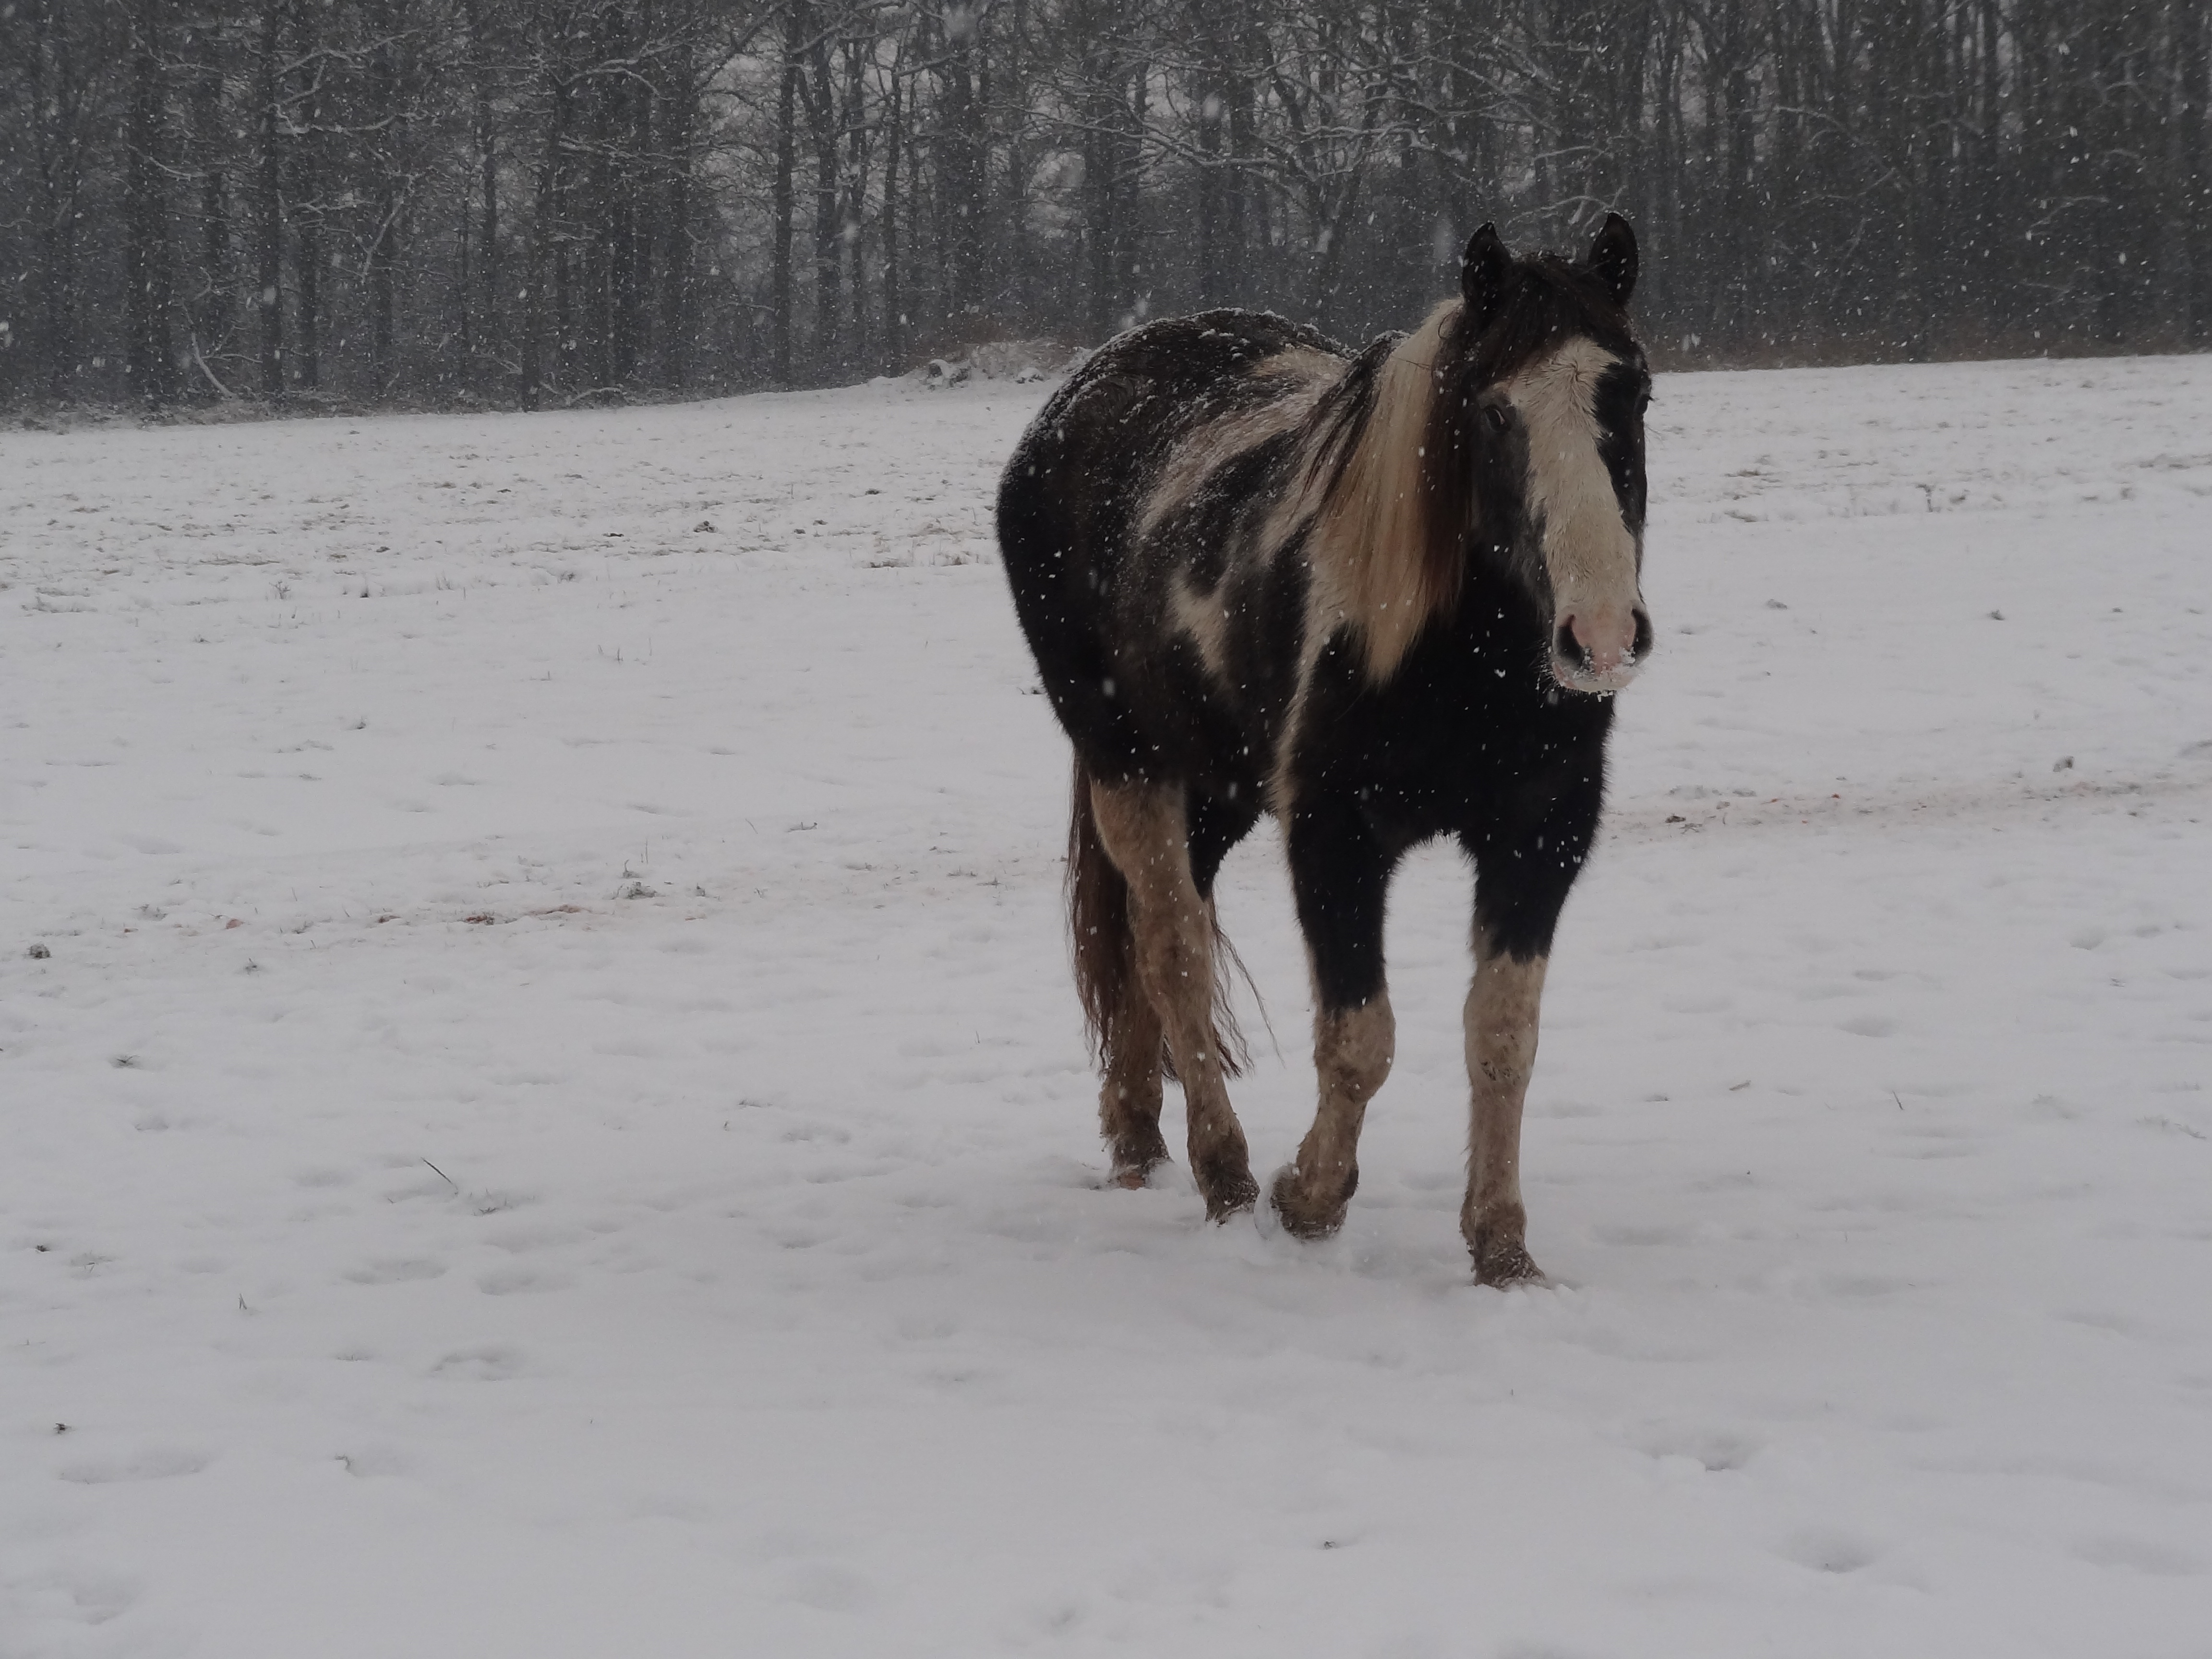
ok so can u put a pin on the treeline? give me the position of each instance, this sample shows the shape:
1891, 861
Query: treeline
530, 201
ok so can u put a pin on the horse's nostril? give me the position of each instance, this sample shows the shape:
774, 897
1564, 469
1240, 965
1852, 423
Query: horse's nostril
1642, 647
1567, 645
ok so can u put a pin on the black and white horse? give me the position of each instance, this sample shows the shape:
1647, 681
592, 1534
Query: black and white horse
1385, 597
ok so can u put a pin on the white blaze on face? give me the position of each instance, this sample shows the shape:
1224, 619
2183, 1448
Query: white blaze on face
1588, 551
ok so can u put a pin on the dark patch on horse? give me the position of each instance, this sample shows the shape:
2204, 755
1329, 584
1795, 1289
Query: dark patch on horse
1622, 393
1272, 600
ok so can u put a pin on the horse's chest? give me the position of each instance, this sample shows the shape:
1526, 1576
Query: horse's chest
1420, 762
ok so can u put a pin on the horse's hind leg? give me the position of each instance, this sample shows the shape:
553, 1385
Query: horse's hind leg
1129, 1094
1125, 1030
1146, 834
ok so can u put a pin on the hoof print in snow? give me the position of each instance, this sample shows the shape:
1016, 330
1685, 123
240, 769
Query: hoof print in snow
828, 1588
522, 1281
409, 1271
38, 953
1825, 1550
372, 1462
485, 1364
161, 1464
1716, 1451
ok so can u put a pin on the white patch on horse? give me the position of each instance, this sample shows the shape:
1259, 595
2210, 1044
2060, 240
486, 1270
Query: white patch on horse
1588, 551
1305, 375
1370, 547
1364, 551
1205, 618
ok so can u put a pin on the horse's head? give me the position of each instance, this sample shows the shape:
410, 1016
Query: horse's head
1541, 395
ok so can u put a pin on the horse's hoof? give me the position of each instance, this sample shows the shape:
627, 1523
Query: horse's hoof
1502, 1263
1134, 1177
1232, 1194
1136, 1152
1300, 1216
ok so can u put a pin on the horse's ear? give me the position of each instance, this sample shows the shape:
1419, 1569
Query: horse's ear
1484, 269
1613, 258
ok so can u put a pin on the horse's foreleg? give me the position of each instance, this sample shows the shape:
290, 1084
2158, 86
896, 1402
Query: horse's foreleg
1146, 834
1526, 859
1502, 1008
1352, 1050
1341, 878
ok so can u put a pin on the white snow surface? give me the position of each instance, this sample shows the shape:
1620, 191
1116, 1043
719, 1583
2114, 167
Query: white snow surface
554, 1122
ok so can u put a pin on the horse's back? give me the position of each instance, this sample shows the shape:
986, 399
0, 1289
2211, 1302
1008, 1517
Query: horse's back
1122, 415
1126, 432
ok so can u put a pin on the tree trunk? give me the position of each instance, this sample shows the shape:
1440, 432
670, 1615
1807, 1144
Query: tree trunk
55, 72
484, 343
679, 113
307, 204
856, 191
269, 228
2182, 197
544, 231
150, 357
787, 164
828, 209
1213, 108
384, 235
960, 167
894, 294
211, 313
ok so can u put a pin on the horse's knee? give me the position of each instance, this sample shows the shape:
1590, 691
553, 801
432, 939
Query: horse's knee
1353, 1048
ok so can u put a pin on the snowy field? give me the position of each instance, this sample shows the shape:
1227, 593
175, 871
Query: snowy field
544, 1114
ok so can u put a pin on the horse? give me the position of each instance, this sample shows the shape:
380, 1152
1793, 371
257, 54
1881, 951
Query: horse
1383, 596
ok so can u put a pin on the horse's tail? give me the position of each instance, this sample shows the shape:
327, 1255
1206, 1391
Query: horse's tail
1104, 945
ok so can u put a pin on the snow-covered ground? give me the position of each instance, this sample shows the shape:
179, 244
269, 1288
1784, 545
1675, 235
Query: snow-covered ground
542, 1113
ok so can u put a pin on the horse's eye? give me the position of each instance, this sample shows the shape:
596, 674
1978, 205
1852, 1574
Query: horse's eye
1496, 416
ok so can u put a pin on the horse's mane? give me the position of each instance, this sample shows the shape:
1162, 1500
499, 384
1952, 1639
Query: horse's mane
1392, 453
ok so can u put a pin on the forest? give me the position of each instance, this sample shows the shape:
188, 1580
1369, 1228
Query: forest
539, 202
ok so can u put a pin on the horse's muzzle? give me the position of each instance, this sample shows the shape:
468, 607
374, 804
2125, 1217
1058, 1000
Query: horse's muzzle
1600, 649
